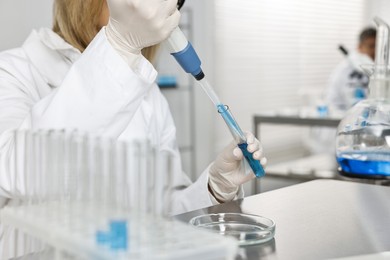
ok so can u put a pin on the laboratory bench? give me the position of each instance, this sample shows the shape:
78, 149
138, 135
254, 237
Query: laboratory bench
320, 219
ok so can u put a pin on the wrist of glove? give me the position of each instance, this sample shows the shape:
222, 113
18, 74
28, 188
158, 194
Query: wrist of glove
229, 170
130, 54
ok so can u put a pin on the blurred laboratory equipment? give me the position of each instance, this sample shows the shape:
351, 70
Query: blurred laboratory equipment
182, 50
88, 197
363, 138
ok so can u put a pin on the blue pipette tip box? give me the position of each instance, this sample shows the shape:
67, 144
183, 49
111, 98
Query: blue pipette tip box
167, 81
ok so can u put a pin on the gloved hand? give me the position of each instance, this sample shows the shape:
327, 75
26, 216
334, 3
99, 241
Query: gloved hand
227, 173
136, 24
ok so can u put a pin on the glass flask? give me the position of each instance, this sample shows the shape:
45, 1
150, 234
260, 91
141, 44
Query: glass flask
363, 135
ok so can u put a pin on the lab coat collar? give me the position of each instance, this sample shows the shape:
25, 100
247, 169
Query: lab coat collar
50, 55
55, 42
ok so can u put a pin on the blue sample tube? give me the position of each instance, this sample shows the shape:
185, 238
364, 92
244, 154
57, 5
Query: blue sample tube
240, 138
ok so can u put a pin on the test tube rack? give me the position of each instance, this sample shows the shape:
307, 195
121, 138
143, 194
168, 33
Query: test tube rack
149, 237
88, 197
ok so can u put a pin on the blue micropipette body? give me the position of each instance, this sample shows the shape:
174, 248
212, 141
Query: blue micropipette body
182, 50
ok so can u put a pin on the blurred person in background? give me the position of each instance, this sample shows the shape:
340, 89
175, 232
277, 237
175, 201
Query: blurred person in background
348, 84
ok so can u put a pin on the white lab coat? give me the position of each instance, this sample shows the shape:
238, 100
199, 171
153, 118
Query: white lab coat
48, 84
342, 86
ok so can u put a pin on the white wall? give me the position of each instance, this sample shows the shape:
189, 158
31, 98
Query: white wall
379, 8
19, 17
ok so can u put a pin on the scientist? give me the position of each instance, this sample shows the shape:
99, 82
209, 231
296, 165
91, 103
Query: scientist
92, 72
348, 84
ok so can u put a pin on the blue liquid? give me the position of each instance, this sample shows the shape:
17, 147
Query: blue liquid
258, 170
364, 163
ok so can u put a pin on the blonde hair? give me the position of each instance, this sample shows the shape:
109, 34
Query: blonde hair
77, 22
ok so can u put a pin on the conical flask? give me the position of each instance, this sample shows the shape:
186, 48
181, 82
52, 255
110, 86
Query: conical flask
363, 135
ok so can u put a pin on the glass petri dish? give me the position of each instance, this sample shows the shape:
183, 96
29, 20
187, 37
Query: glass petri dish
246, 228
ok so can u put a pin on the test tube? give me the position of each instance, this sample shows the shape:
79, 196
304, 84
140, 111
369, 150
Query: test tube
151, 180
20, 164
58, 153
143, 178
240, 139
118, 223
76, 181
133, 166
52, 174
135, 183
102, 153
29, 170
119, 173
36, 183
167, 161
37, 166
67, 177
101, 235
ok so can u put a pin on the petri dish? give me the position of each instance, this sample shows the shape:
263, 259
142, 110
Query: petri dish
246, 228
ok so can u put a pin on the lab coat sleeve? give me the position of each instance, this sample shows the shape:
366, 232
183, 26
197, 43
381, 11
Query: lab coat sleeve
196, 196
99, 95
240, 193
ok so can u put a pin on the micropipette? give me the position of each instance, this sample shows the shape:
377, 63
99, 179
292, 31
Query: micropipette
182, 50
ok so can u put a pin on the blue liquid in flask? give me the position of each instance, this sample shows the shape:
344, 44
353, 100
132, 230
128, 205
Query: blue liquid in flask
365, 163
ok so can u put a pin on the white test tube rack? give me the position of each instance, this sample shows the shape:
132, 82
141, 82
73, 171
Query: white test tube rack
149, 238
96, 212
